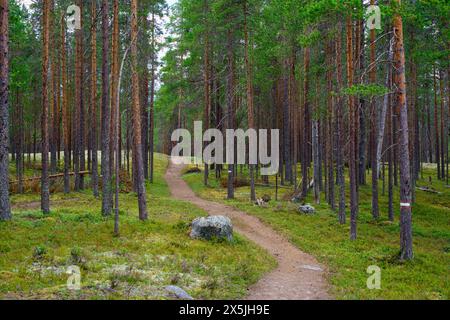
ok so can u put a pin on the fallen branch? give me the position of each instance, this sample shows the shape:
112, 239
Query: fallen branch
429, 190
54, 176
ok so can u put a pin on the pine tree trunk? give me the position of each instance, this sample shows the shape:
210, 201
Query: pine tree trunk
436, 126
443, 140
94, 138
65, 108
52, 93
137, 154
390, 153
286, 123
305, 144
114, 85
406, 249
5, 206
339, 130
230, 106
330, 120
206, 84
78, 133
353, 113
374, 126
45, 182
106, 114
152, 101
250, 104
116, 111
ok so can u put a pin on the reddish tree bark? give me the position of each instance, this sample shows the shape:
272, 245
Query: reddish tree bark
406, 246
137, 154
5, 206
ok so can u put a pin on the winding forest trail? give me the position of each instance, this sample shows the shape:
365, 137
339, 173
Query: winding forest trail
298, 275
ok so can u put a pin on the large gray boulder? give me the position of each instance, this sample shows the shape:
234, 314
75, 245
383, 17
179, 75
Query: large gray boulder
219, 227
307, 209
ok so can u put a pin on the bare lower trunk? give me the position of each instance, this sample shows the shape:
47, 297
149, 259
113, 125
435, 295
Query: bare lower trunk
384, 110
339, 131
137, 154
65, 106
250, 104
106, 115
45, 183
5, 207
230, 106
406, 249
352, 129
94, 138
315, 142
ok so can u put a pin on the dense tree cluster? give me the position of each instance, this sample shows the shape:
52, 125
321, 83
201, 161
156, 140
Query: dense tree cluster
350, 102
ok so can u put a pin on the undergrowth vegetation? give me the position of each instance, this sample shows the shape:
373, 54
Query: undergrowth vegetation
37, 250
426, 277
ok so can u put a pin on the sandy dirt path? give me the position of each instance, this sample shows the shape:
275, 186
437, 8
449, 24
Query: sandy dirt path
298, 276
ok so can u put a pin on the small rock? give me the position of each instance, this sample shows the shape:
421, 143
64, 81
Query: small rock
307, 209
178, 293
212, 227
261, 203
266, 198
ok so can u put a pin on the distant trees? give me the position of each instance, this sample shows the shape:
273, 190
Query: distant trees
5, 207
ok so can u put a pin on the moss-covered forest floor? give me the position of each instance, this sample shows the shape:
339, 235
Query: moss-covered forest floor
36, 250
427, 277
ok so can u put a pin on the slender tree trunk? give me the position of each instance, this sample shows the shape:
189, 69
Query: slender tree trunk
93, 102
116, 109
339, 130
406, 246
362, 147
230, 106
19, 142
5, 206
374, 126
330, 120
152, 100
286, 123
353, 112
390, 153
137, 154
250, 104
45, 182
52, 93
206, 84
443, 140
78, 134
114, 85
306, 117
65, 106
436, 126
384, 110
106, 114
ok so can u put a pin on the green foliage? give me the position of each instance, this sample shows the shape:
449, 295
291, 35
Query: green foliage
366, 91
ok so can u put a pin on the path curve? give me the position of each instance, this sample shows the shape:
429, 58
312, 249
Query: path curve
298, 276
